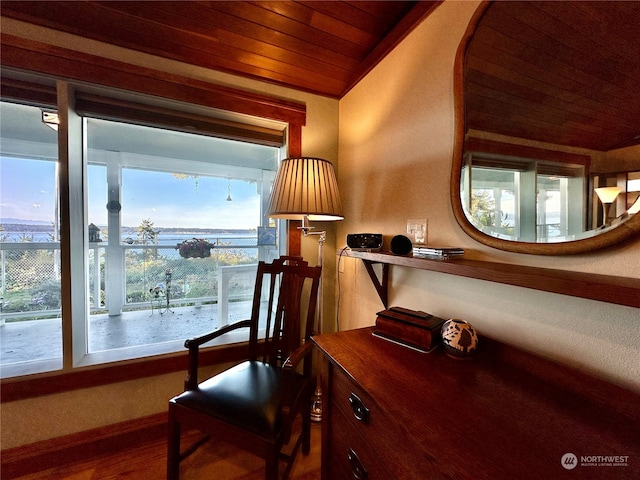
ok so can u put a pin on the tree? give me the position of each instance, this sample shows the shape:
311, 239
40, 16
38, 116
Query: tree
26, 238
483, 208
3, 236
146, 234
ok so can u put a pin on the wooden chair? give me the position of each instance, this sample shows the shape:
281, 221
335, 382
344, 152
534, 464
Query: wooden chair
254, 404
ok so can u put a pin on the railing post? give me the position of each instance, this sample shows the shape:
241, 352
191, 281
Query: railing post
115, 274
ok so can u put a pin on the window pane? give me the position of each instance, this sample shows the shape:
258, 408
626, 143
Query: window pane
551, 211
30, 323
494, 200
162, 188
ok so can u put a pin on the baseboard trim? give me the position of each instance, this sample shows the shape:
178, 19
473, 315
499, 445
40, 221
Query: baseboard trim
35, 457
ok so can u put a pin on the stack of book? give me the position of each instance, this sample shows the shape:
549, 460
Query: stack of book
410, 328
437, 252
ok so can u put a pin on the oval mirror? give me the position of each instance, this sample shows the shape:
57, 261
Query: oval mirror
547, 150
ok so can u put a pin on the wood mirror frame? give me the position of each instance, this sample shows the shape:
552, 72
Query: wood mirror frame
623, 231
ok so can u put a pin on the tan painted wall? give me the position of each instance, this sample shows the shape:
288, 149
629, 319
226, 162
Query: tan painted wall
396, 144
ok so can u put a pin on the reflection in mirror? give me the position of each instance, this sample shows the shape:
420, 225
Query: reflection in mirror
617, 196
547, 105
524, 199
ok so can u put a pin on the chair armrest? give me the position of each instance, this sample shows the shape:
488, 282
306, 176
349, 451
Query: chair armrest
207, 337
297, 355
193, 344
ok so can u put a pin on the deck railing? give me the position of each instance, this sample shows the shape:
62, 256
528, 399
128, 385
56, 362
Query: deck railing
135, 275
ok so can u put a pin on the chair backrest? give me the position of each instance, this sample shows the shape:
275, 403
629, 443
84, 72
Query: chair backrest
284, 308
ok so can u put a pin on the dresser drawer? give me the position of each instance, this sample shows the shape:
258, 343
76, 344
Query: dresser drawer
361, 433
351, 454
358, 407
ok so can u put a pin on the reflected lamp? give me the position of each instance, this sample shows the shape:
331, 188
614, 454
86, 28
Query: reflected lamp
606, 195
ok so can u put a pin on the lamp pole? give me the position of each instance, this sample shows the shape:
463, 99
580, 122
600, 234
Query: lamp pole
316, 404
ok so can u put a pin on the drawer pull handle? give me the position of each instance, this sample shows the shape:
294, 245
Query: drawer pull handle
359, 410
357, 469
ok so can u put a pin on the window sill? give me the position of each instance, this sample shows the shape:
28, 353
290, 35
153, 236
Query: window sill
124, 364
31, 368
147, 351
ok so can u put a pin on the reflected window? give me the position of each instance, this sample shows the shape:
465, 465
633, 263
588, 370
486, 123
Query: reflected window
523, 199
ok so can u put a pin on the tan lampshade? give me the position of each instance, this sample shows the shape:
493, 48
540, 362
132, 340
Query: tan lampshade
607, 194
305, 186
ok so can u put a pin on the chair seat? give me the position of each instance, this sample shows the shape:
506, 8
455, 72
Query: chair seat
249, 395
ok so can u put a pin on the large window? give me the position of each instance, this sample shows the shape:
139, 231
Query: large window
143, 191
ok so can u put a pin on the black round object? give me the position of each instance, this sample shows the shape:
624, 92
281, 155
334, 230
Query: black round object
400, 245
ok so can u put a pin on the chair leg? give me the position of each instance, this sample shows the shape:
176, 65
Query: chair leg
306, 427
271, 466
173, 449
306, 432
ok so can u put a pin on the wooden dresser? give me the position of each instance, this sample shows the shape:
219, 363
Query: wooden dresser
392, 413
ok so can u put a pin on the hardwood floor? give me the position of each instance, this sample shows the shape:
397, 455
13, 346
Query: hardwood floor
215, 459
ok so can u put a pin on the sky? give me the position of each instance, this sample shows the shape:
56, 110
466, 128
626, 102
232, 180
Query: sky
29, 200
160, 197
28, 185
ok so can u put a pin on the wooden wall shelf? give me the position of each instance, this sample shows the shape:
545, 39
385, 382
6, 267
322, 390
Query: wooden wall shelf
604, 288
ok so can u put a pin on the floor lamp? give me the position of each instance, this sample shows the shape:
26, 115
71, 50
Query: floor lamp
306, 189
606, 195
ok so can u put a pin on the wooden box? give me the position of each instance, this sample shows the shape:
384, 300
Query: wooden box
411, 328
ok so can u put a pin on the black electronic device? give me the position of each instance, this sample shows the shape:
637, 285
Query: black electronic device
364, 242
401, 245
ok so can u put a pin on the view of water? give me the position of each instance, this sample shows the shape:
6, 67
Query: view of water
235, 241
174, 239
168, 239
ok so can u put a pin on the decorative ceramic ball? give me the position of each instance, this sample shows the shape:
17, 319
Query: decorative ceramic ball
459, 338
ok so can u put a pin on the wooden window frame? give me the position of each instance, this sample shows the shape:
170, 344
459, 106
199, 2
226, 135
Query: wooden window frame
31, 57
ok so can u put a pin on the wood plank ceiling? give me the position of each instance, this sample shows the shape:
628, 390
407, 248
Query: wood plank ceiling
323, 47
560, 72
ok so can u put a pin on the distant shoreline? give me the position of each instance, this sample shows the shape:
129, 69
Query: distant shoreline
16, 228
